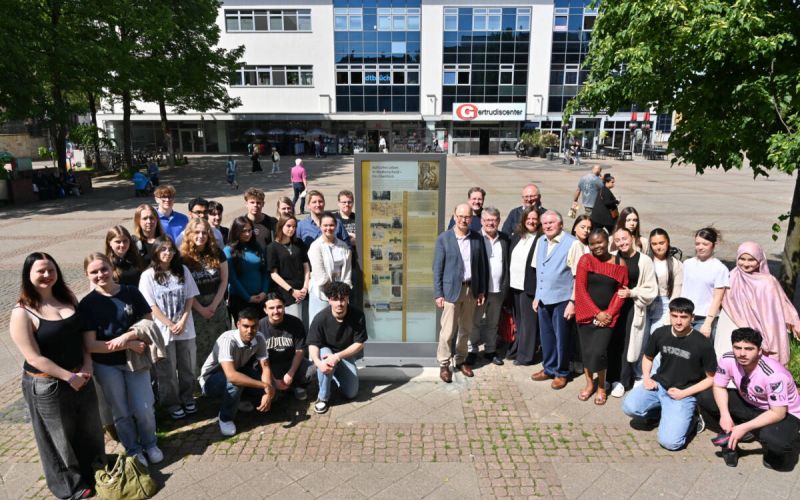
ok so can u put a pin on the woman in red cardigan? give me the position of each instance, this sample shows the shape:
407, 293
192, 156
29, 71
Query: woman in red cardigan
597, 307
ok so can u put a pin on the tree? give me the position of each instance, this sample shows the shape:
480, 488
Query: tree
185, 69
730, 68
41, 54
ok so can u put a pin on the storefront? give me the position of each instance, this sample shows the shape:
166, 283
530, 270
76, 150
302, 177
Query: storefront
485, 128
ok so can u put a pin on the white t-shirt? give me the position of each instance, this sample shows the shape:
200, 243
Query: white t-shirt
518, 263
700, 278
171, 298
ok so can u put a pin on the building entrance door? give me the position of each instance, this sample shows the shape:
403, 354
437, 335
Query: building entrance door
191, 141
485, 134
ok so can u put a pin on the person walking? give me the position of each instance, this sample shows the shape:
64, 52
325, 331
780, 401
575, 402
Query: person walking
276, 161
230, 173
605, 212
299, 184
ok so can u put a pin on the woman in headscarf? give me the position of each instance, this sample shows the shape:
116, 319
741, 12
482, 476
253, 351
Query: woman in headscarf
756, 300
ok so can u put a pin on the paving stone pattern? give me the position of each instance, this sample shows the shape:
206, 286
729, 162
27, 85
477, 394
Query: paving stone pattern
496, 435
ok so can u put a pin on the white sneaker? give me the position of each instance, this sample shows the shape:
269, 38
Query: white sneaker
617, 390
246, 406
638, 383
141, 458
300, 394
227, 428
154, 454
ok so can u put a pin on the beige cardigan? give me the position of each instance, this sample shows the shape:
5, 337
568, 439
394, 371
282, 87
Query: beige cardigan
322, 265
642, 294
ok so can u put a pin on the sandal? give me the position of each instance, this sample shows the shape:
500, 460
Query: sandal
585, 395
600, 398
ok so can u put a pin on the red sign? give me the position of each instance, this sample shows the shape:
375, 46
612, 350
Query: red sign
647, 116
634, 116
467, 112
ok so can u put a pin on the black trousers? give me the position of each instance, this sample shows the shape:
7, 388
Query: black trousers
527, 337
777, 439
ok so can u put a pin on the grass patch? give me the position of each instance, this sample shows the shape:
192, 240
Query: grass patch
794, 359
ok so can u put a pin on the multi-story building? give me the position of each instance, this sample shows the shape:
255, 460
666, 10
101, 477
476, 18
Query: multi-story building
473, 74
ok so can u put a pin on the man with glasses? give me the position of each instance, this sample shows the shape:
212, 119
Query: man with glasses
764, 402
530, 198
460, 282
172, 222
198, 209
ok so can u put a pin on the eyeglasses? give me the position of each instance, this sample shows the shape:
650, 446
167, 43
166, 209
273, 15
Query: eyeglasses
166, 198
201, 213
167, 250
463, 217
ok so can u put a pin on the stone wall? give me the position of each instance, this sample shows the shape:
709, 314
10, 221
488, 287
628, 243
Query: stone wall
22, 145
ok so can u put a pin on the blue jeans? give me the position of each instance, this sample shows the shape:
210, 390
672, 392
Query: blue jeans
657, 314
698, 321
555, 338
676, 415
345, 374
217, 386
130, 396
315, 304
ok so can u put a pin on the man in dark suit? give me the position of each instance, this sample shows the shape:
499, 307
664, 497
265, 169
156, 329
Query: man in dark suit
530, 198
487, 315
460, 281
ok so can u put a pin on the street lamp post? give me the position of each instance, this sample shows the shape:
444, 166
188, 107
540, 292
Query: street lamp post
564, 130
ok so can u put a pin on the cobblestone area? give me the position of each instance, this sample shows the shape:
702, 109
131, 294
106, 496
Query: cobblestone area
496, 435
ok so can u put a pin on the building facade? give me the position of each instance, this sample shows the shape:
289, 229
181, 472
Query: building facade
473, 75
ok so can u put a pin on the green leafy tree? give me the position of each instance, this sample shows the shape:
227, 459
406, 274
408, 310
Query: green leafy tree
730, 68
185, 69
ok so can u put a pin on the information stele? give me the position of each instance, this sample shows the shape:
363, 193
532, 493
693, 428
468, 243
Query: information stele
400, 203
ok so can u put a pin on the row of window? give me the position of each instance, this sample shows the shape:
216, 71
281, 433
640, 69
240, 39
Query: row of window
395, 19
562, 21
268, 20
465, 74
273, 76
359, 74
487, 19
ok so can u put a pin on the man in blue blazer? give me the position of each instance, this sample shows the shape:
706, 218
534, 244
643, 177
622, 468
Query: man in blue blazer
460, 282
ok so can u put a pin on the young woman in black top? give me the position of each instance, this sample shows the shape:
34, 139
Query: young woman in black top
126, 261
56, 381
146, 228
605, 206
287, 262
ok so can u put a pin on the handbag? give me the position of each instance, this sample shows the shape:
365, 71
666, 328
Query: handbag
507, 329
127, 479
303, 194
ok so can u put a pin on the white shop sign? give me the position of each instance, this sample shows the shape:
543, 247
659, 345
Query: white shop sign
488, 112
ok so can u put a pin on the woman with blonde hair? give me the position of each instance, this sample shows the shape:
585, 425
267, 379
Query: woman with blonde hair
209, 268
126, 261
146, 228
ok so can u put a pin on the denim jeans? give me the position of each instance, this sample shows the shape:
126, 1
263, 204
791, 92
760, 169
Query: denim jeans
298, 187
66, 425
217, 385
315, 304
345, 375
676, 415
657, 314
555, 338
176, 374
698, 321
130, 396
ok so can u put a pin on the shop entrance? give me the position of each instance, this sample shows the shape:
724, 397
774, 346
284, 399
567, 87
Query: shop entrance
374, 137
191, 141
485, 135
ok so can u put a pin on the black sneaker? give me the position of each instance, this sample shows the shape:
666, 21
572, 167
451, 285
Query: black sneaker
731, 457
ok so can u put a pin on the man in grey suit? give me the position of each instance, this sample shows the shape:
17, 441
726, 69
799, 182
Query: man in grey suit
460, 282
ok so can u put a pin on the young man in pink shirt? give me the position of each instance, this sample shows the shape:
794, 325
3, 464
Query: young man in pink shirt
764, 403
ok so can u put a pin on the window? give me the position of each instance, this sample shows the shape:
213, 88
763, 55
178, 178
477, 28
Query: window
370, 74
589, 17
398, 19
571, 74
348, 19
450, 19
268, 20
456, 74
506, 74
274, 76
664, 123
523, 19
487, 19
561, 20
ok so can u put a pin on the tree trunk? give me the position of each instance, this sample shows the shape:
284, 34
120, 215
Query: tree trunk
162, 110
791, 248
98, 163
127, 148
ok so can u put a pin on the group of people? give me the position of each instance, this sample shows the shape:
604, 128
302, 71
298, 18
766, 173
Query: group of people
246, 312
624, 311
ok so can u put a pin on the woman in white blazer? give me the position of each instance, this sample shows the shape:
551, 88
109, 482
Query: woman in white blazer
331, 260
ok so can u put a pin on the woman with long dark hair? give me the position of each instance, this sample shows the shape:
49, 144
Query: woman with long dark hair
288, 263
581, 229
597, 309
248, 278
629, 218
46, 328
669, 276
705, 280
522, 281
331, 260
169, 289
126, 261
604, 212
109, 312
146, 228
209, 268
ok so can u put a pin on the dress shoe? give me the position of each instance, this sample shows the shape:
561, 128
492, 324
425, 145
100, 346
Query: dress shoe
559, 383
445, 375
540, 376
498, 360
466, 370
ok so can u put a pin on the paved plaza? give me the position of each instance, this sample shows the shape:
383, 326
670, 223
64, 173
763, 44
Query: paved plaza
407, 434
